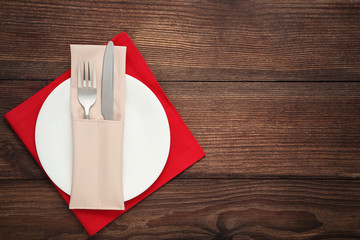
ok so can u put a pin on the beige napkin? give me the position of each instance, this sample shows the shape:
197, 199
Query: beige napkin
97, 143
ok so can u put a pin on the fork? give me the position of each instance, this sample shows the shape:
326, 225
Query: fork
86, 90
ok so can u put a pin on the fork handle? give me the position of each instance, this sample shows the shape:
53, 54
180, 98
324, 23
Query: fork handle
87, 113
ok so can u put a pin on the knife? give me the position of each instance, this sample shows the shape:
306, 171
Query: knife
107, 84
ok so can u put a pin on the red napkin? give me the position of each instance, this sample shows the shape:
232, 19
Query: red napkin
184, 149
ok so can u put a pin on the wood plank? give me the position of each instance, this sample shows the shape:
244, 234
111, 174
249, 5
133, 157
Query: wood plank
189, 40
252, 130
272, 129
196, 209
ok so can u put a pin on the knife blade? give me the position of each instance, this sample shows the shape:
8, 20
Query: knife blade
107, 84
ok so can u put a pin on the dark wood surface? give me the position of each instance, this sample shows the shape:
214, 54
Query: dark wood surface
277, 93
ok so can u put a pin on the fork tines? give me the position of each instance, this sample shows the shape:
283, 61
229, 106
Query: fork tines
82, 81
86, 90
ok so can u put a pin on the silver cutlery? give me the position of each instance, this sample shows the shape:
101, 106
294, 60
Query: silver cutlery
107, 83
86, 90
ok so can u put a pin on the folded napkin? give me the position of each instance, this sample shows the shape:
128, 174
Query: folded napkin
184, 149
97, 180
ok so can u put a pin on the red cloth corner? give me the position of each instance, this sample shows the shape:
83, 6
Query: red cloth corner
184, 149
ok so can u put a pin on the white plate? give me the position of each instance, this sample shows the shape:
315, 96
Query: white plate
146, 138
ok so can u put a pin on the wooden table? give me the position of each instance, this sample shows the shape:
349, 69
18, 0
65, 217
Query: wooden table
270, 89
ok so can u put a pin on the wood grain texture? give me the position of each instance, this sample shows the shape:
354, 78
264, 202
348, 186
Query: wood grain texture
196, 209
270, 89
189, 40
252, 130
